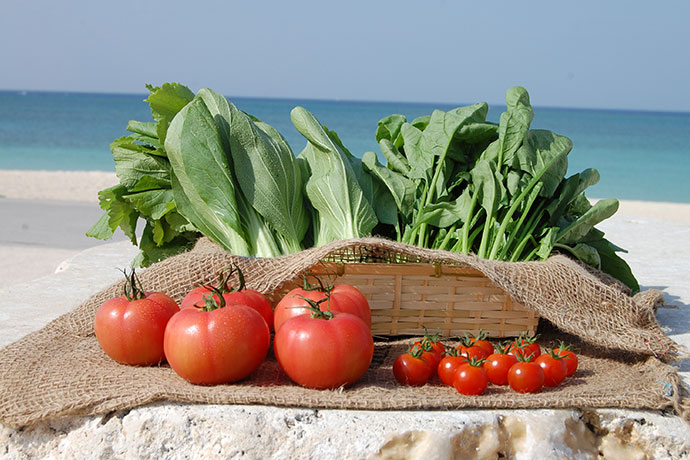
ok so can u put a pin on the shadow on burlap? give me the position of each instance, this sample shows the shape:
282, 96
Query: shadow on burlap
60, 370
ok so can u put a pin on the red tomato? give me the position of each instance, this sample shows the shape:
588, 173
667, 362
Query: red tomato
293, 304
412, 368
447, 367
358, 304
432, 349
481, 341
497, 366
472, 351
568, 356
526, 377
342, 298
529, 346
242, 295
470, 379
327, 350
130, 328
554, 368
222, 345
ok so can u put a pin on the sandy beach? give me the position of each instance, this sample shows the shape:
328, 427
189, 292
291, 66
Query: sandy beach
45, 214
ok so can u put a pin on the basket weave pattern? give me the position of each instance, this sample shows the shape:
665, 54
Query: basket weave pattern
405, 298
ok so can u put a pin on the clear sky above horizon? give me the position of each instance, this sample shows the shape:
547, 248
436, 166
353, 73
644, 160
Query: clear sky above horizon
613, 54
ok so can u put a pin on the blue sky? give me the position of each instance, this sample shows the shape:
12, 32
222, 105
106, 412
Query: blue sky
599, 54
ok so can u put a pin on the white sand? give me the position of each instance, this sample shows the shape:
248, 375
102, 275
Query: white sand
55, 185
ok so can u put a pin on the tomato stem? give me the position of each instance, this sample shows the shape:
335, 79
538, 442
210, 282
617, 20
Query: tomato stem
321, 286
314, 309
210, 302
132, 289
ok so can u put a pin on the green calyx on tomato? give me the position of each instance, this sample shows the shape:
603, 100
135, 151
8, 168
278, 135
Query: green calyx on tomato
502, 348
132, 289
210, 302
475, 361
521, 354
314, 310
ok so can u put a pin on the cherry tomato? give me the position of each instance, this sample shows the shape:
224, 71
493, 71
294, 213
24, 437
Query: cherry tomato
481, 341
412, 368
325, 349
526, 377
210, 346
568, 356
497, 366
554, 368
468, 348
432, 349
130, 328
526, 346
447, 367
470, 378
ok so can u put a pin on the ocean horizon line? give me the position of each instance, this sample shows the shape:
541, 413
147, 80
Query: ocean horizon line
356, 101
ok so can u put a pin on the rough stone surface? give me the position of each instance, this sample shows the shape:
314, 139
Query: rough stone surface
180, 431
659, 253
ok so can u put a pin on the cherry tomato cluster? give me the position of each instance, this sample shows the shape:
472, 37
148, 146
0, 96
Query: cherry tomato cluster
222, 334
474, 363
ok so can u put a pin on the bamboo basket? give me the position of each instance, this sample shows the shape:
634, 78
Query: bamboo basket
407, 297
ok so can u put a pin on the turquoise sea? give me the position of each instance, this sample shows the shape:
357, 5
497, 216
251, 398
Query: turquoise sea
640, 155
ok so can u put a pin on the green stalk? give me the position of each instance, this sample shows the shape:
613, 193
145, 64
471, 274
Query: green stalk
447, 238
524, 240
429, 197
518, 200
485, 233
516, 234
468, 223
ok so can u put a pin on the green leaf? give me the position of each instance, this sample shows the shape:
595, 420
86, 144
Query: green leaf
147, 129
269, 177
601, 210
101, 229
389, 127
514, 124
152, 253
587, 254
394, 159
547, 242
153, 203
401, 188
489, 185
421, 162
166, 101
614, 265
569, 190
333, 188
204, 187
421, 122
445, 214
538, 150
133, 161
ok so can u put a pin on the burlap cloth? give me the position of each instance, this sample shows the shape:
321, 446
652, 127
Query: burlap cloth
60, 370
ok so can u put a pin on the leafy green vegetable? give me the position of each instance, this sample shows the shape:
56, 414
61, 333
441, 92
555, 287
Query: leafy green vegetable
451, 180
499, 191
341, 208
145, 189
